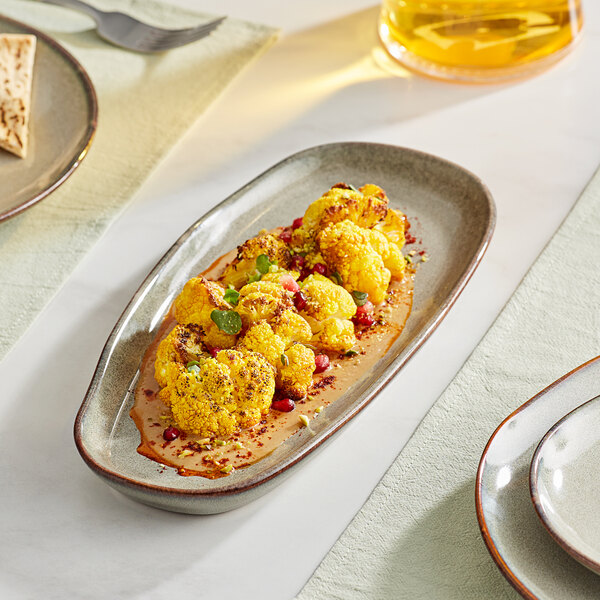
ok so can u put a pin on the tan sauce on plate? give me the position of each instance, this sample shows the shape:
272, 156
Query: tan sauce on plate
193, 455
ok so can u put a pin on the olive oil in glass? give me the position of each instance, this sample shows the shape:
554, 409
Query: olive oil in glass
479, 40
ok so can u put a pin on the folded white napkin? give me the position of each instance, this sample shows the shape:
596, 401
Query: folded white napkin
417, 535
146, 103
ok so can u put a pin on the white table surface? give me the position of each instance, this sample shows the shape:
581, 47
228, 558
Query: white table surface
536, 143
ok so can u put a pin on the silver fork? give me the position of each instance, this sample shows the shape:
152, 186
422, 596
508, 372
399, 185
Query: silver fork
123, 30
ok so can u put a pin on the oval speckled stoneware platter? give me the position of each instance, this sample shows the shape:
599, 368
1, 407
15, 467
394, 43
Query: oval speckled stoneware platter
449, 209
564, 483
521, 546
64, 113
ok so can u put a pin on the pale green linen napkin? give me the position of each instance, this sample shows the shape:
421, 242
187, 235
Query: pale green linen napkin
146, 102
417, 535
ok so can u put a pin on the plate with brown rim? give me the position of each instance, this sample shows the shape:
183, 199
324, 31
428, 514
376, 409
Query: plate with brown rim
450, 209
524, 550
62, 124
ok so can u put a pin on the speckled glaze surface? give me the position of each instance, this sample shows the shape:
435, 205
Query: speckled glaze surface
564, 484
63, 121
450, 210
523, 549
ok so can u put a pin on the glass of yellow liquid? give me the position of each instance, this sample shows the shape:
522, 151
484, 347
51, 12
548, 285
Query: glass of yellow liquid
479, 40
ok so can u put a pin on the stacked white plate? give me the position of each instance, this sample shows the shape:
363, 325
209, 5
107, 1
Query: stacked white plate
538, 490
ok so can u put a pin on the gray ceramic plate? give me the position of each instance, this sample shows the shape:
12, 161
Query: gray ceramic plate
63, 121
450, 209
564, 483
519, 544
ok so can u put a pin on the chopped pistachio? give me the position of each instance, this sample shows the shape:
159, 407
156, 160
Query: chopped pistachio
424, 258
319, 409
220, 443
304, 420
262, 232
408, 259
273, 269
227, 469
184, 453
206, 447
204, 441
412, 252
238, 446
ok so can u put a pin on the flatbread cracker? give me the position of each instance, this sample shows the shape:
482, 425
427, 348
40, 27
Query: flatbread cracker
17, 53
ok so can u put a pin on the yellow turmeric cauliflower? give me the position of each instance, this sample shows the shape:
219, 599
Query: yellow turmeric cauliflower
326, 299
254, 384
295, 365
195, 304
244, 264
335, 335
227, 393
261, 338
262, 300
392, 257
328, 310
183, 344
348, 250
393, 227
339, 203
291, 328
204, 402
294, 377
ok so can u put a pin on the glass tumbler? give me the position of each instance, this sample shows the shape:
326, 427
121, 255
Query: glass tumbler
479, 40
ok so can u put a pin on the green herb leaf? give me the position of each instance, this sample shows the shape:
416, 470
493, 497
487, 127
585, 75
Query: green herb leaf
360, 298
193, 363
253, 278
335, 276
232, 296
351, 353
353, 188
227, 321
285, 361
263, 263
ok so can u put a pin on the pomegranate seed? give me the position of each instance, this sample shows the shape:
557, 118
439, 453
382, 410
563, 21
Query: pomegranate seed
170, 434
364, 319
321, 362
283, 405
289, 283
286, 235
297, 262
297, 223
214, 351
300, 300
365, 309
320, 268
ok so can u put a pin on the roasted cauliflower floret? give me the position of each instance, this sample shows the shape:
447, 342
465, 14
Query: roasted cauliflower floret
261, 338
291, 328
392, 257
326, 299
183, 344
294, 378
347, 249
364, 207
335, 335
254, 384
393, 227
195, 304
223, 394
204, 402
262, 300
244, 264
